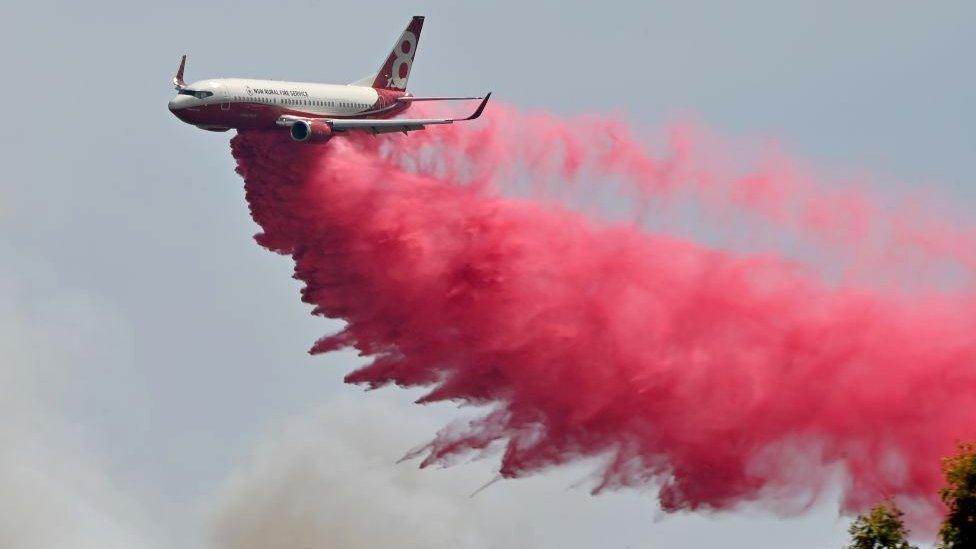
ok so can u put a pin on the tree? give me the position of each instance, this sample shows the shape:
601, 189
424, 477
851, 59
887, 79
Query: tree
881, 528
959, 495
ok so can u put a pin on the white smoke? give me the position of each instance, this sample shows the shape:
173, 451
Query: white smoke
54, 492
332, 480
53, 496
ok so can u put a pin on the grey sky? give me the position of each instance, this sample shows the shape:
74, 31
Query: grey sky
149, 346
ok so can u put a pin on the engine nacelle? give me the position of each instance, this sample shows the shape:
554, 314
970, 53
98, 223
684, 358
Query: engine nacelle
311, 131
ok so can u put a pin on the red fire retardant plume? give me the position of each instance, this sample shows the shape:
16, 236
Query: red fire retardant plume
718, 377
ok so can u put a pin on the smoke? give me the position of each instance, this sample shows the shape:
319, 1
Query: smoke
719, 376
55, 490
329, 479
57, 495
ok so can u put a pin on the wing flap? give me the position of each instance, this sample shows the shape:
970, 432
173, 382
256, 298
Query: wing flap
385, 126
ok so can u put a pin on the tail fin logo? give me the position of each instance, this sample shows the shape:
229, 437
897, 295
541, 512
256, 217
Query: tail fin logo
403, 53
395, 70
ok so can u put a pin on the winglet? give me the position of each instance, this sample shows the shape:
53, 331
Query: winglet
481, 107
178, 79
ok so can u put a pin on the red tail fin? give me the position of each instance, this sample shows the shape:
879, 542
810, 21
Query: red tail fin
395, 71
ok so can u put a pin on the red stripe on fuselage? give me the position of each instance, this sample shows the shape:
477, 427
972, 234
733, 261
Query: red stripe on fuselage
255, 116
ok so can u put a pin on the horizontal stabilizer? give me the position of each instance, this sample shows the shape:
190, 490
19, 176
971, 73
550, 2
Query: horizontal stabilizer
365, 81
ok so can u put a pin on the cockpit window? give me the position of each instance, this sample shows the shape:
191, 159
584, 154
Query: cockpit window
199, 94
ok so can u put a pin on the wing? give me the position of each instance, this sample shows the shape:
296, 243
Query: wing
410, 98
376, 126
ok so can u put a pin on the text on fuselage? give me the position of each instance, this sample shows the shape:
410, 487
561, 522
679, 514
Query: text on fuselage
297, 93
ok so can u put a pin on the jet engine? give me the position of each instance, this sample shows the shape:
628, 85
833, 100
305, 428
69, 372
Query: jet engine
311, 131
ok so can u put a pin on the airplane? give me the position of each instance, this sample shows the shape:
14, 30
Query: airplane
313, 113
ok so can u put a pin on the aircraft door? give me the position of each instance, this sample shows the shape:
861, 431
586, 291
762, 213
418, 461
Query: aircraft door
224, 95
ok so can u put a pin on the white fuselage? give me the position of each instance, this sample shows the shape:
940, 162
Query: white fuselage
224, 103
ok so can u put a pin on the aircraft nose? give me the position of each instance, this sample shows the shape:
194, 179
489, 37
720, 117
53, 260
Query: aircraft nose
179, 102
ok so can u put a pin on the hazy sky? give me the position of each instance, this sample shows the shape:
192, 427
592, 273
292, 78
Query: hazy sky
156, 389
